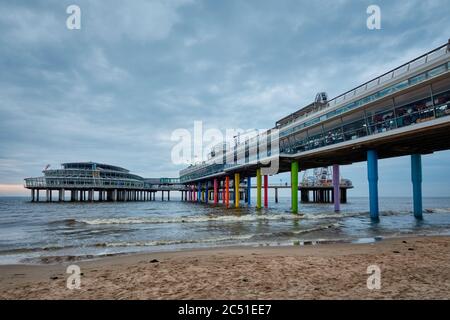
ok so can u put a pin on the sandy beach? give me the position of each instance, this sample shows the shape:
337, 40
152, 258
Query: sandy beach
411, 268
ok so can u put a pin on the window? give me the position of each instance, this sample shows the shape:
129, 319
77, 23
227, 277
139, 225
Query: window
315, 137
419, 78
300, 142
333, 132
436, 71
354, 126
380, 118
442, 103
418, 111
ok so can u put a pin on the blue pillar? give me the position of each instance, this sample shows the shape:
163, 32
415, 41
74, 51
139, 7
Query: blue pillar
199, 192
416, 177
206, 192
372, 174
249, 191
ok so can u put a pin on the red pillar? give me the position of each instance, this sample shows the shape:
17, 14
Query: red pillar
216, 195
266, 193
227, 191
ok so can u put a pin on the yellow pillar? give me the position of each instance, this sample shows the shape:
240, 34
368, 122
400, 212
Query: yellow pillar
237, 180
258, 188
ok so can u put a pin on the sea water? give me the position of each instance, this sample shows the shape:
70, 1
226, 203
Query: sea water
51, 232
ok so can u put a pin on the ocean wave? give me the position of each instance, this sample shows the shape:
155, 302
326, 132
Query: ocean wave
215, 218
188, 219
173, 242
34, 249
437, 210
295, 232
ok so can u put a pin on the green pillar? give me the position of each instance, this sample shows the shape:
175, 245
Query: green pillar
258, 188
294, 186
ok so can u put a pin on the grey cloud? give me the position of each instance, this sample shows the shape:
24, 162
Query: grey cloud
116, 89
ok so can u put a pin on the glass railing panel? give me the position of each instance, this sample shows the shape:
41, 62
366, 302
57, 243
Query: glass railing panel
442, 110
401, 70
417, 63
436, 54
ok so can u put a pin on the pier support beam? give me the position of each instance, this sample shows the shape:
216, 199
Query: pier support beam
61, 195
416, 177
372, 174
276, 195
237, 180
227, 191
266, 191
216, 189
258, 188
336, 188
32, 195
199, 192
249, 191
294, 186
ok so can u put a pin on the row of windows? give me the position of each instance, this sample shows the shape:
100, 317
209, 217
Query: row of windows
203, 172
391, 118
394, 88
89, 182
89, 174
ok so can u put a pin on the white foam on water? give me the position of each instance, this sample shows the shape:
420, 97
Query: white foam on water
211, 218
174, 242
189, 219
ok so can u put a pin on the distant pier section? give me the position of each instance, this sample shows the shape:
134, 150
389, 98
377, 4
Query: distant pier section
91, 181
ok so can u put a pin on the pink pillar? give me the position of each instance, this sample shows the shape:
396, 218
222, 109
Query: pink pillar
336, 188
266, 191
223, 192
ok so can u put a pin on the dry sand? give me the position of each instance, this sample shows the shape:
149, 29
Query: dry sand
417, 268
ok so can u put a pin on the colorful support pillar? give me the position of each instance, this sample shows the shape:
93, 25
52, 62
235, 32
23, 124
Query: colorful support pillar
237, 180
372, 174
206, 192
416, 177
294, 186
336, 188
216, 189
227, 191
199, 192
249, 191
258, 188
266, 191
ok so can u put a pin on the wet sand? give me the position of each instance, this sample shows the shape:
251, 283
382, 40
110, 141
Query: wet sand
411, 268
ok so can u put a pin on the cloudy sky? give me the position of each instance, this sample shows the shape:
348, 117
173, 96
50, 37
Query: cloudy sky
115, 90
